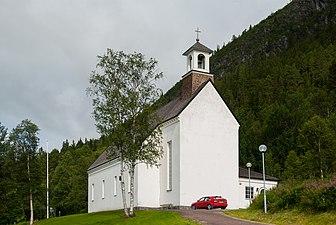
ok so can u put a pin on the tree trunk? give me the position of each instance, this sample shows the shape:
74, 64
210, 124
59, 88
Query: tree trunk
30, 193
320, 155
31, 206
122, 184
131, 173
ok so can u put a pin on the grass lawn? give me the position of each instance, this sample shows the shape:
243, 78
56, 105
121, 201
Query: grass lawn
285, 217
116, 217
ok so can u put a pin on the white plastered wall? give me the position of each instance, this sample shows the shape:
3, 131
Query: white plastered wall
111, 200
209, 149
148, 191
171, 133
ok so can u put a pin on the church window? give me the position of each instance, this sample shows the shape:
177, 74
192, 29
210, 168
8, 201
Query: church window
115, 185
103, 189
201, 61
92, 192
169, 166
248, 191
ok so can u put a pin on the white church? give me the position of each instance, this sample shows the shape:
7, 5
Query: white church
201, 152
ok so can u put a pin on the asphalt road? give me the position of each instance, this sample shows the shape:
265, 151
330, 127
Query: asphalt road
214, 217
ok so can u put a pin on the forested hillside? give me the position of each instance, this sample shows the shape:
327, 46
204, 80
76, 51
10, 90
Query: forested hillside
279, 78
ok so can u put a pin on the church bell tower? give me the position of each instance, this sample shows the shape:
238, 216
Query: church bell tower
198, 68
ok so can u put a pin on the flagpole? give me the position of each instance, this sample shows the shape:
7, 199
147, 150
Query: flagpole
47, 180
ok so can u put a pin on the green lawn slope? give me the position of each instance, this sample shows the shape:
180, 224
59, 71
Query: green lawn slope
285, 217
116, 217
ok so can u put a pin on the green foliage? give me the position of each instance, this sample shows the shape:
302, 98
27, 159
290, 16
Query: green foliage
318, 137
24, 141
67, 174
308, 196
293, 167
320, 195
122, 87
171, 94
123, 92
68, 178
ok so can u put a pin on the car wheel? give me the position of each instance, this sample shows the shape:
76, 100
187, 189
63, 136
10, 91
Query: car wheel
209, 207
224, 207
194, 207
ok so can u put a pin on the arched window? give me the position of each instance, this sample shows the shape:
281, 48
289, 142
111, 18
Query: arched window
190, 63
201, 61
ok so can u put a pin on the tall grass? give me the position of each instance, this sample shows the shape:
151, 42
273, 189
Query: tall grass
285, 217
314, 195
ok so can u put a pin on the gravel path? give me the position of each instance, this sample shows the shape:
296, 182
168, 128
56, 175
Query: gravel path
214, 217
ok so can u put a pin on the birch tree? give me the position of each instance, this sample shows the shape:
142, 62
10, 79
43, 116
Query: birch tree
24, 141
123, 90
317, 137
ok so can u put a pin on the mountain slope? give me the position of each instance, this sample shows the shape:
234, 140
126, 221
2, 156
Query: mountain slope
298, 21
279, 78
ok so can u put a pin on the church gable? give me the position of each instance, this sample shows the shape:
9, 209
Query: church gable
208, 102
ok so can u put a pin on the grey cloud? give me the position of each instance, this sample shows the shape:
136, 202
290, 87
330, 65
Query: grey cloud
48, 50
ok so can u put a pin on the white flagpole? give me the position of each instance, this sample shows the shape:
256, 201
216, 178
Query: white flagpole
47, 181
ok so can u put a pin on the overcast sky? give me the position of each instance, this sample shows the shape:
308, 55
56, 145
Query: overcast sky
48, 49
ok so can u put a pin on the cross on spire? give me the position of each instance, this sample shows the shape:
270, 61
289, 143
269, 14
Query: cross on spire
197, 34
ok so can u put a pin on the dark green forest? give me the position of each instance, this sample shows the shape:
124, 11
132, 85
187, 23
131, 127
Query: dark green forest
279, 80
67, 176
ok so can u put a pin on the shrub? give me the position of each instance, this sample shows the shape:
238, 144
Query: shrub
258, 202
313, 196
319, 195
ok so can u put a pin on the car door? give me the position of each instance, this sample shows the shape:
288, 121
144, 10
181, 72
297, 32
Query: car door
200, 203
206, 202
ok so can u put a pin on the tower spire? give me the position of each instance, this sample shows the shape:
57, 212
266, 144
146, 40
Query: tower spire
198, 31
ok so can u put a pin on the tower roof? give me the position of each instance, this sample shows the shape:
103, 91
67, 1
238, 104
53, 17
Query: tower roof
199, 47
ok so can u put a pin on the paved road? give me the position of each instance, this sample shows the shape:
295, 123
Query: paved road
214, 217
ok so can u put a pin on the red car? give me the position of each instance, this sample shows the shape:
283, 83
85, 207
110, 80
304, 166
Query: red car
210, 202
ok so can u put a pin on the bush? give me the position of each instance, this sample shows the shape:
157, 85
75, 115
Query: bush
258, 202
320, 195
312, 196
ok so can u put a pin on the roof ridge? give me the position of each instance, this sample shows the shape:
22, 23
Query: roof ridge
198, 46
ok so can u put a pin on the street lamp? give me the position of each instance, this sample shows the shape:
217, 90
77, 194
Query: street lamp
262, 149
249, 165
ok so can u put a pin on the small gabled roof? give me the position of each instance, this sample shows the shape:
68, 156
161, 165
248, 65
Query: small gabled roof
199, 47
243, 173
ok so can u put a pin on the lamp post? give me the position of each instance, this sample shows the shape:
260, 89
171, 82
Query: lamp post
262, 149
249, 165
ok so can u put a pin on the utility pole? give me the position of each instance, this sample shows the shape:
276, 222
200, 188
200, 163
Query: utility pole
47, 180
